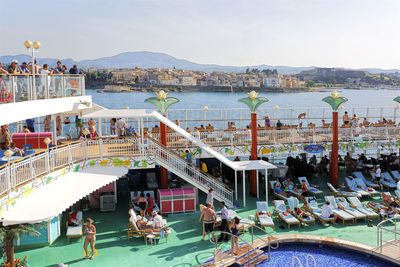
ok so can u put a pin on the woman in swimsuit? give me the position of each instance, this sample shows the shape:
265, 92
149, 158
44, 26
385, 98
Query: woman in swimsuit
90, 231
234, 227
142, 203
112, 126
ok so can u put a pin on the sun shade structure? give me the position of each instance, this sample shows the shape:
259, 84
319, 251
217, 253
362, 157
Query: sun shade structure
48, 201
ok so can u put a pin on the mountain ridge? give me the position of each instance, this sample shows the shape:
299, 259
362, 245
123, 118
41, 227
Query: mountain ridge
146, 59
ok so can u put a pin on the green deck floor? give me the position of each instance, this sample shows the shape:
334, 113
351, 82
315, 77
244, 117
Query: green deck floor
184, 247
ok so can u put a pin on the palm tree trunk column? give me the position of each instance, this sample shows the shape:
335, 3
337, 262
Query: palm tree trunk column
253, 174
10, 250
334, 154
163, 139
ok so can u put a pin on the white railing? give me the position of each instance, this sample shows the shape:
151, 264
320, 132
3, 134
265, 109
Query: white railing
31, 167
191, 174
242, 137
388, 228
19, 88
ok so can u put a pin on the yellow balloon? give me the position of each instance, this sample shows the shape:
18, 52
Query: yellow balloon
28, 44
205, 107
276, 107
36, 45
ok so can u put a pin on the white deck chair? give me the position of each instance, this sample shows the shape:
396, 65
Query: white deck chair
384, 182
311, 189
316, 211
341, 201
293, 203
344, 216
363, 186
352, 185
340, 193
396, 175
356, 203
283, 213
389, 179
397, 193
276, 195
362, 177
263, 215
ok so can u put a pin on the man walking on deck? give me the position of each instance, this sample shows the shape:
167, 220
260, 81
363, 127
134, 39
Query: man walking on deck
224, 222
208, 216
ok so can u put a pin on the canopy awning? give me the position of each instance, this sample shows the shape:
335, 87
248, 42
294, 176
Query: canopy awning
48, 201
249, 165
83, 112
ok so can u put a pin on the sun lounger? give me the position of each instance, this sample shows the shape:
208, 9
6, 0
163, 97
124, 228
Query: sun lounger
387, 204
312, 206
293, 203
388, 181
363, 186
362, 177
314, 191
396, 175
133, 231
384, 182
75, 231
342, 203
283, 213
263, 215
356, 203
340, 193
352, 185
294, 193
276, 195
341, 214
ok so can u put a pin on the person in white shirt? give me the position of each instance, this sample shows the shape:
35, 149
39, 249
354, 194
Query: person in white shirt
327, 211
378, 176
210, 197
158, 222
120, 125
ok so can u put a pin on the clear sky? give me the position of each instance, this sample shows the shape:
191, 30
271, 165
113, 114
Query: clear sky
337, 33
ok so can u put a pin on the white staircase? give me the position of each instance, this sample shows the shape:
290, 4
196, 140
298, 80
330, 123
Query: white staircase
188, 172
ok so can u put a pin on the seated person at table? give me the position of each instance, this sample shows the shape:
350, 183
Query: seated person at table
301, 214
279, 190
141, 225
142, 203
158, 222
72, 220
25, 130
16, 151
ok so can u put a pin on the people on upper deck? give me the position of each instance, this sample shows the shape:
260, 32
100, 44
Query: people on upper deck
24, 68
13, 67
58, 69
75, 70
16, 151
267, 121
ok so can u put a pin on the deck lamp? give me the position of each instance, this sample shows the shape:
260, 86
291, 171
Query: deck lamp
85, 131
335, 101
162, 102
33, 48
253, 102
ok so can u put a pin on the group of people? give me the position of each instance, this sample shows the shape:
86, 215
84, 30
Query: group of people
26, 68
208, 217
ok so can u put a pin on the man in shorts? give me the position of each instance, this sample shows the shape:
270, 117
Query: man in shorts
209, 217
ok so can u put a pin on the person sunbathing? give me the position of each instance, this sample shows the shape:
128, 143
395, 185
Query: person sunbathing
279, 190
299, 213
390, 201
142, 226
290, 186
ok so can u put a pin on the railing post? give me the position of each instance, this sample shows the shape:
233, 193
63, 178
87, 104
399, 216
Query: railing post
13, 87
101, 148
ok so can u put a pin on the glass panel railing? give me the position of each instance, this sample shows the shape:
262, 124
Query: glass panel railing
19, 88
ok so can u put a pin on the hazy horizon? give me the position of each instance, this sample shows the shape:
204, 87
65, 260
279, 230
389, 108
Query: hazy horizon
349, 34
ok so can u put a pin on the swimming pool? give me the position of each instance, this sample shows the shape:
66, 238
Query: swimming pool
324, 256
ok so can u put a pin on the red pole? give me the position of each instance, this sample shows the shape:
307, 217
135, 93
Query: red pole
163, 139
253, 174
334, 155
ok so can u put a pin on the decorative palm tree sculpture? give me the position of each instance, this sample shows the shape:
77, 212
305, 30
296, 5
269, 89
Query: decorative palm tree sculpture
253, 102
335, 102
397, 99
162, 102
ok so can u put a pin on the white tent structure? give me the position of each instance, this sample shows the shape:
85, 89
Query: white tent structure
50, 200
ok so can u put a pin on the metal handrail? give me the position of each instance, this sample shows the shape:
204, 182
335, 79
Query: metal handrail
298, 260
380, 229
248, 245
312, 257
269, 241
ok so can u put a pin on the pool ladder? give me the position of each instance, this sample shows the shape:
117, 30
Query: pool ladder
309, 256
